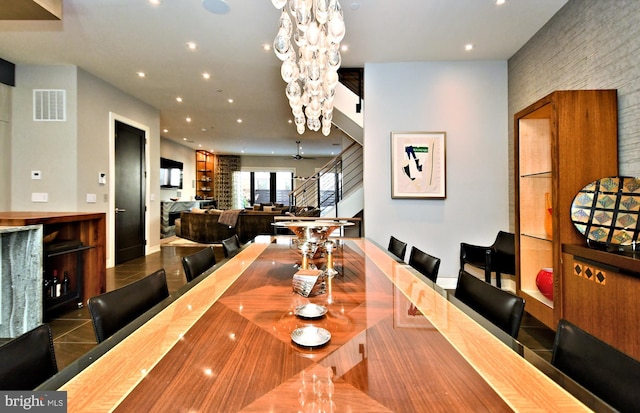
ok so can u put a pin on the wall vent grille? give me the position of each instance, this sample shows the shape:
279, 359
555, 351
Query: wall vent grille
49, 105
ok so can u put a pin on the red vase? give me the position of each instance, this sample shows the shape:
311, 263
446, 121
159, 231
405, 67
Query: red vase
544, 282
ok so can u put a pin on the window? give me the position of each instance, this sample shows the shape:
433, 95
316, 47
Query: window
262, 187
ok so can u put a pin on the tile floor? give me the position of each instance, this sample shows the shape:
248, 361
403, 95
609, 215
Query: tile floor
73, 332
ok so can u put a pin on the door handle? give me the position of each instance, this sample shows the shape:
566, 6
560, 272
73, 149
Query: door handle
120, 210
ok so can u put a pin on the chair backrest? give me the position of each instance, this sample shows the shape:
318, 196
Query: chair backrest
500, 307
600, 368
196, 264
231, 245
397, 247
504, 253
426, 264
27, 360
115, 309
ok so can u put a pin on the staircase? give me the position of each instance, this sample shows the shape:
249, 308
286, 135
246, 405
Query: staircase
336, 189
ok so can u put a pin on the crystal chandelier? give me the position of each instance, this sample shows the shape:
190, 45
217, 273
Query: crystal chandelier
311, 70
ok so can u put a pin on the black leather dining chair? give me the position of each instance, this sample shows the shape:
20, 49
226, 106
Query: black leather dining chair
27, 360
602, 369
397, 247
198, 263
426, 264
499, 257
500, 307
115, 309
231, 246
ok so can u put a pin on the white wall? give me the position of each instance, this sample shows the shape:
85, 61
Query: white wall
70, 154
48, 147
98, 104
174, 151
468, 101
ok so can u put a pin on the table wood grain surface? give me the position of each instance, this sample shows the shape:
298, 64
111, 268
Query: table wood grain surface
396, 346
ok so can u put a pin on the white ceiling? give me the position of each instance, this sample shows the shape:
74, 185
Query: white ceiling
114, 39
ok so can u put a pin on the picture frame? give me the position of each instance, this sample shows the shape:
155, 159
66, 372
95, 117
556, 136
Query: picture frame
418, 167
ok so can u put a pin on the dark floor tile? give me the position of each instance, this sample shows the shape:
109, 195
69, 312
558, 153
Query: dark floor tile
61, 327
67, 353
81, 334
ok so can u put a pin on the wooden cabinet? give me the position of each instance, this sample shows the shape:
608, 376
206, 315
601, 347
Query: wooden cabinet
562, 142
79, 248
601, 295
204, 174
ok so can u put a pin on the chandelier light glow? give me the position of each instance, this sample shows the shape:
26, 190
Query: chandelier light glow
308, 44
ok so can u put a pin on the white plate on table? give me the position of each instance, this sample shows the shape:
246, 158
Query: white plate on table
310, 336
310, 310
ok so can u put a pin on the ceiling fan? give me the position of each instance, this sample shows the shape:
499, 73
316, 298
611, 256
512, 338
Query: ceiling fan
297, 156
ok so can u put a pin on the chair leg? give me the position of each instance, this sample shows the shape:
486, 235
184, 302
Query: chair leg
498, 280
487, 275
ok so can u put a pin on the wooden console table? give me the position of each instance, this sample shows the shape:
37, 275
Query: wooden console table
85, 264
600, 294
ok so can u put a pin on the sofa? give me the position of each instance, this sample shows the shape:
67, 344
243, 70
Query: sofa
204, 226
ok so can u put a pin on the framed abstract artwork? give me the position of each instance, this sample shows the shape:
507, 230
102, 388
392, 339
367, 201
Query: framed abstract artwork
418, 165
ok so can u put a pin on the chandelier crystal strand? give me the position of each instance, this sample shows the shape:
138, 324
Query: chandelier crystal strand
308, 44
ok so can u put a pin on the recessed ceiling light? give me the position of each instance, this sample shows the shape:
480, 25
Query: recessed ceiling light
266, 47
179, 99
230, 100
188, 119
344, 48
203, 129
290, 121
142, 74
206, 75
192, 46
239, 121
165, 130
468, 47
499, 2
155, 2
184, 139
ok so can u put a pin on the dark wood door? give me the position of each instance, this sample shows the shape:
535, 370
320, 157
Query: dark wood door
129, 192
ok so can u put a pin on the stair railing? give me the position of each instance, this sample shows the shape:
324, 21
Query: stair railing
336, 179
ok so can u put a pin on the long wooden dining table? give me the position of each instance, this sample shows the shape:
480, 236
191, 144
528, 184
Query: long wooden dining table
397, 345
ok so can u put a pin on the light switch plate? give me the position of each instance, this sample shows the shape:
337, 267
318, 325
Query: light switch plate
91, 198
39, 197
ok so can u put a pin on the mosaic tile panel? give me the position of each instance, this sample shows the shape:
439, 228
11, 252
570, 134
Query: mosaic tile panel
608, 210
597, 275
226, 165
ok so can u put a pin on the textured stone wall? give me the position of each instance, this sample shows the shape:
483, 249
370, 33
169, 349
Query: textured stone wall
588, 44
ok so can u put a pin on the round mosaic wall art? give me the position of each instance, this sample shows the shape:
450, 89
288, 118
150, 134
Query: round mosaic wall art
607, 210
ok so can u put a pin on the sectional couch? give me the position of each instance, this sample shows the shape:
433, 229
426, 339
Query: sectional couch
203, 226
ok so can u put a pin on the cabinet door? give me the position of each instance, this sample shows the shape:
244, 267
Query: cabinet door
535, 211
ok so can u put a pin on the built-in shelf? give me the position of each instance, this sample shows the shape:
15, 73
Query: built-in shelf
562, 142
